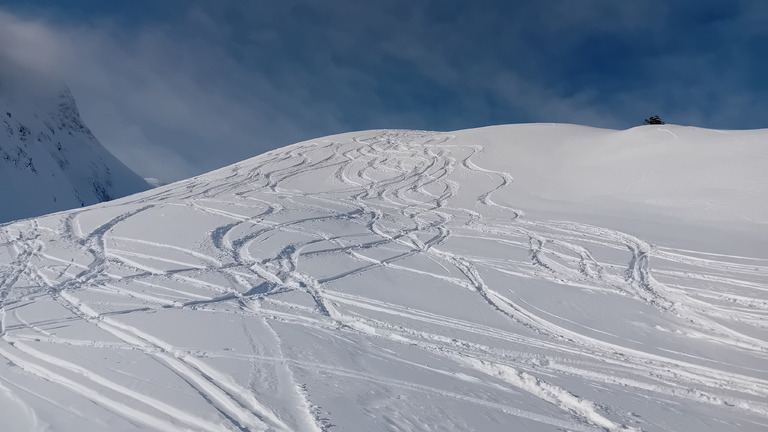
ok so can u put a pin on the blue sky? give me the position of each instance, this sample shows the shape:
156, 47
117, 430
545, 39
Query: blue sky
179, 88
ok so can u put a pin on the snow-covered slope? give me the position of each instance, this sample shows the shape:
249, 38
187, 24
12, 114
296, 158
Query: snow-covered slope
529, 277
49, 159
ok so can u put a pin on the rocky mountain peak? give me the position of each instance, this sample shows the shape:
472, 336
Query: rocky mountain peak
49, 159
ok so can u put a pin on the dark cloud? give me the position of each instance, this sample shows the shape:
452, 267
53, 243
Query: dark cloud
177, 88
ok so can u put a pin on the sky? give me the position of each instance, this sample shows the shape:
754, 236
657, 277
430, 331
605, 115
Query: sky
178, 88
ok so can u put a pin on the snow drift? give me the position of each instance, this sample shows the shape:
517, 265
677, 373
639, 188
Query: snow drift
528, 277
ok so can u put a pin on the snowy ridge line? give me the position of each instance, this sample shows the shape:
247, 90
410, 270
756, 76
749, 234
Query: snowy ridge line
391, 261
50, 161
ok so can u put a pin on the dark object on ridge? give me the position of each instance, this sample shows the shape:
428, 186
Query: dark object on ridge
654, 120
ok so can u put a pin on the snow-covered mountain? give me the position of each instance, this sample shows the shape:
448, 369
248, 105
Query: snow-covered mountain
527, 277
49, 159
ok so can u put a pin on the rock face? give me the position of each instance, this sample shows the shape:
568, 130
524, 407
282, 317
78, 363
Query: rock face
49, 159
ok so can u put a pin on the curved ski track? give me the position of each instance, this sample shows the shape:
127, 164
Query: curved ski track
382, 204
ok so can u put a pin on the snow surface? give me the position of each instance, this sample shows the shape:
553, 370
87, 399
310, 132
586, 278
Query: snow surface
527, 277
49, 159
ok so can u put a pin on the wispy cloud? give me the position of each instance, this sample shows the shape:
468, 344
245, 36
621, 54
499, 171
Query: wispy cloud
167, 105
182, 90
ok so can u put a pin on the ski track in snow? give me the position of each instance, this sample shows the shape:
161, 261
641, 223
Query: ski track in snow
390, 205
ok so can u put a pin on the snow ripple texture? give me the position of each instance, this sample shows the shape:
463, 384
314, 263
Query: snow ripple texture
369, 282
